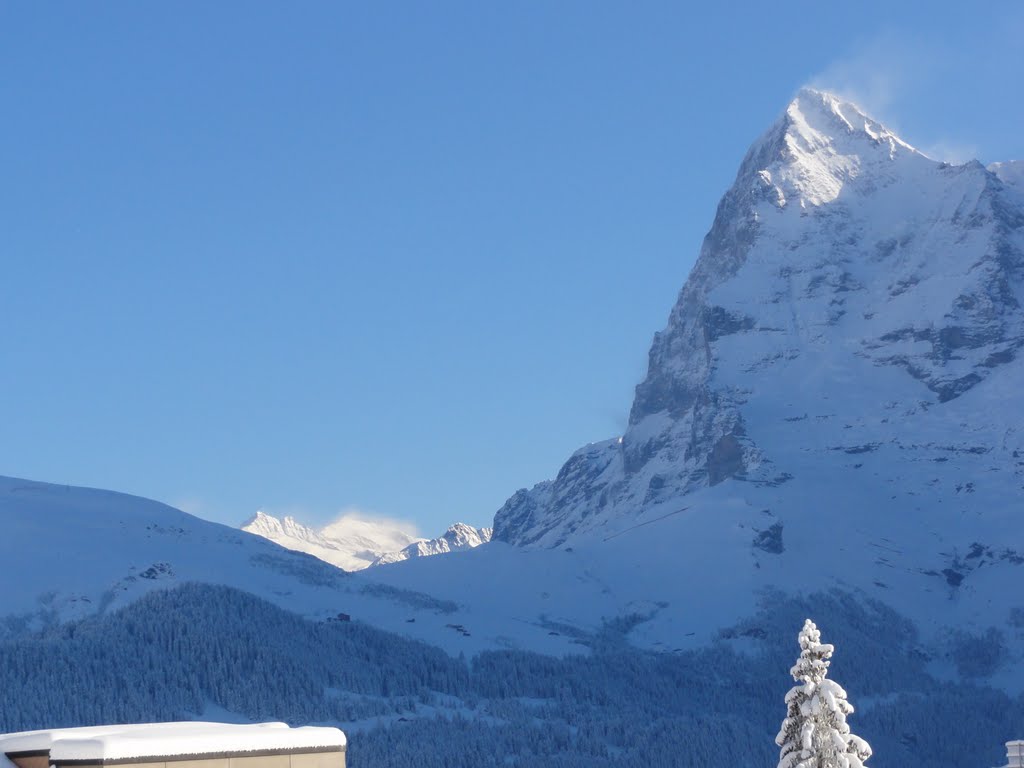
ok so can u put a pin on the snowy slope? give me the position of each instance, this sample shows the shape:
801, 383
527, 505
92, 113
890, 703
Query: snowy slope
350, 542
69, 553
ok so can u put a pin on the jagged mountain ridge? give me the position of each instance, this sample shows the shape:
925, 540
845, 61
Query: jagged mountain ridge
354, 543
270, 527
841, 262
458, 537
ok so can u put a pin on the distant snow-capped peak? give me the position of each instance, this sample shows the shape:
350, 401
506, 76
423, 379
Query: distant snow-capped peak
270, 527
458, 537
354, 542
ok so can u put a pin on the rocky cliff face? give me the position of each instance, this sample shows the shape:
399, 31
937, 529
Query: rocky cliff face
850, 293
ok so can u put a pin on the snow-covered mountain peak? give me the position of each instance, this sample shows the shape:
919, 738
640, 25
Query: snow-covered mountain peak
354, 541
459, 536
262, 521
818, 147
821, 119
351, 542
270, 527
845, 273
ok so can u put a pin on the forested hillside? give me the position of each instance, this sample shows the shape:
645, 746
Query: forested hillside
197, 648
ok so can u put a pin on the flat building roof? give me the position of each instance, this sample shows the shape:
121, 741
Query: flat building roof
170, 741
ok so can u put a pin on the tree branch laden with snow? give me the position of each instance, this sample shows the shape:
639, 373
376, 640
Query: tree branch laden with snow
815, 733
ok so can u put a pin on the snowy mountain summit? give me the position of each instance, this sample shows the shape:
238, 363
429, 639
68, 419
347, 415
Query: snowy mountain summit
270, 527
457, 537
353, 542
847, 341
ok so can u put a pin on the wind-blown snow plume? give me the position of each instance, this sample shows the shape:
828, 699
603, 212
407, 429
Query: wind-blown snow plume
353, 541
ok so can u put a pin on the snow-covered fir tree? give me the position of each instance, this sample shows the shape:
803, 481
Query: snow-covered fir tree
814, 733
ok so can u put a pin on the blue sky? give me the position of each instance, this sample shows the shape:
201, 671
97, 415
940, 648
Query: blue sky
398, 257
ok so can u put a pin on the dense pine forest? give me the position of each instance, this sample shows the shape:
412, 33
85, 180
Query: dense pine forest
200, 651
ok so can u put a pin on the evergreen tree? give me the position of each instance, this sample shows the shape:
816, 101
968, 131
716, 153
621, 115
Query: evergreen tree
814, 733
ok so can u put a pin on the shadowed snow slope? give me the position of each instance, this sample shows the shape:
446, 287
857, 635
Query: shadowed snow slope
70, 553
77, 551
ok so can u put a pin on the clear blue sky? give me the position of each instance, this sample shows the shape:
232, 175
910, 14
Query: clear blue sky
399, 256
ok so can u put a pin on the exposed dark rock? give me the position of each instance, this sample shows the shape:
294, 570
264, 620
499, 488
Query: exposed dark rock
976, 550
719, 322
978, 555
953, 389
953, 577
770, 540
654, 487
157, 571
855, 449
1001, 357
725, 460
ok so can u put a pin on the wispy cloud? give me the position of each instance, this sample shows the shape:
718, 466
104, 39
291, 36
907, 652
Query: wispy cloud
889, 76
349, 518
951, 151
357, 515
878, 74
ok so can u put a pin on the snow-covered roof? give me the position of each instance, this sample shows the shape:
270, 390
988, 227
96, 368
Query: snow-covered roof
121, 742
1015, 754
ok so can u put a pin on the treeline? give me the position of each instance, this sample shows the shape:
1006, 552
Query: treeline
172, 654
